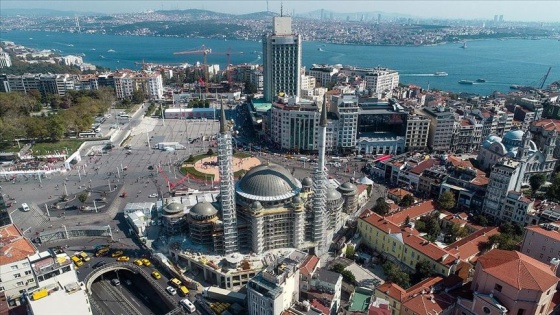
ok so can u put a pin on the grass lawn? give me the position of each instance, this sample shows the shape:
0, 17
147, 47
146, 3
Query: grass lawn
42, 148
9, 146
192, 171
241, 155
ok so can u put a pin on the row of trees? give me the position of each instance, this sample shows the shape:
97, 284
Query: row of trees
19, 117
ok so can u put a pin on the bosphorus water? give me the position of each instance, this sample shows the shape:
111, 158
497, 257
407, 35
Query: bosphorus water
500, 62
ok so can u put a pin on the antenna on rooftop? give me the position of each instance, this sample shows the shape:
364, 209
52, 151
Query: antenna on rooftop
281, 9
267, 6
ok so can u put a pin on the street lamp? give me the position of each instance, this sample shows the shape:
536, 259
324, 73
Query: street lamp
65, 230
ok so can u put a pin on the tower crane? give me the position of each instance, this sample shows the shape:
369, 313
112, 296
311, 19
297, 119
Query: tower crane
228, 53
204, 51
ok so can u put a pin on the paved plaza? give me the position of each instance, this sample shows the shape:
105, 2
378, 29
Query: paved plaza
208, 165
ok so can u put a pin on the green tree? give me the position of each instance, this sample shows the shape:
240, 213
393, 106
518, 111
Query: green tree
55, 127
481, 220
407, 201
396, 275
456, 232
553, 191
348, 276
447, 200
138, 97
210, 152
423, 269
381, 206
350, 252
250, 88
83, 197
505, 241
536, 181
407, 220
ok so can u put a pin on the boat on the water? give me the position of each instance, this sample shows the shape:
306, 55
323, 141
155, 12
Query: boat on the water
110, 50
441, 74
320, 49
464, 45
480, 80
466, 82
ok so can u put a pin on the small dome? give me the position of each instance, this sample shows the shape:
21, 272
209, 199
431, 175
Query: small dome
173, 207
514, 135
296, 200
203, 209
307, 182
333, 194
348, 187
256, 205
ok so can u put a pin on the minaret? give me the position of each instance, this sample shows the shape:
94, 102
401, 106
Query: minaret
320, 188
227, 186
523, 150
550, 146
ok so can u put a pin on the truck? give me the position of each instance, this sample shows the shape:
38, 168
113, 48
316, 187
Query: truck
173, 145
223, 295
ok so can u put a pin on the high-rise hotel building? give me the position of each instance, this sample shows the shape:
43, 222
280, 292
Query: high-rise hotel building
281, 60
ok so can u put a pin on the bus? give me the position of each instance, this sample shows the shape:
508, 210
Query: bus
87, 135
124, 116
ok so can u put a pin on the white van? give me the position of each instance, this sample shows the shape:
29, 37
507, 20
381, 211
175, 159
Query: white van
188, 305
25, 207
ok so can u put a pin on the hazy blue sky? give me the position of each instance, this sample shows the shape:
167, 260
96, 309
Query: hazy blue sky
473, 9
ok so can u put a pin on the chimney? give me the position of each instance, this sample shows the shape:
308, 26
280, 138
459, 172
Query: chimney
554, 262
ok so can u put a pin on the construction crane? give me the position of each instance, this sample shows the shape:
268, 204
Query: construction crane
228, 53
204, 51
543, 80
170, 184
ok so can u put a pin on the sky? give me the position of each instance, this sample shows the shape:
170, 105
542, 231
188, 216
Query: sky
512, 10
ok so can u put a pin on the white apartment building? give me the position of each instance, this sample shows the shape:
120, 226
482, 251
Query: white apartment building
381, 80
506, 176
16, 276
58, 290
307, 85
442, 124
5, 60
346, 108
294, 126
124, 85
276, 288
323, 74
155, 86
72, 60
417, 131
281, 60
467, 136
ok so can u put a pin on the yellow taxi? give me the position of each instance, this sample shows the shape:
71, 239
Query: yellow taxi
146, 262
138, 262
175, 282
117, 253
123, 258
156, 275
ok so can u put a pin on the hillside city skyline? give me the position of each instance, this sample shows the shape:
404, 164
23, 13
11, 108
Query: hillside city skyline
528, 11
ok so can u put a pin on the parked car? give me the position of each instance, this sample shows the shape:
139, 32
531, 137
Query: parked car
99, 264
153, 195
25, 207
116, 282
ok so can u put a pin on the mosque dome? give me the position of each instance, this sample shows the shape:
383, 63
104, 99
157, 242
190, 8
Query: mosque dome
296, 200
256, 205
347, 187
514, 135
203, 210
173, 208
307, 182
333, 194
269, 182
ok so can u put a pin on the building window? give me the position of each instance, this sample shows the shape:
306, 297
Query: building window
19, 283
486, 310
498, 287
14, 267
17, 275
521, 311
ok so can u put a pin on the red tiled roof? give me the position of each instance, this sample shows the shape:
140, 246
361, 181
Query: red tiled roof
425, 285
413, 212
555, 235
309, 265
518, 270
468, 247
383, 309
393, 290
548, 124
398, 192
318, 305
429, 249
424, 165
425, 304
14, 246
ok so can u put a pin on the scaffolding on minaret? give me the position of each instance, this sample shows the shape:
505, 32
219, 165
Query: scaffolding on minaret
320, 189
227, 187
